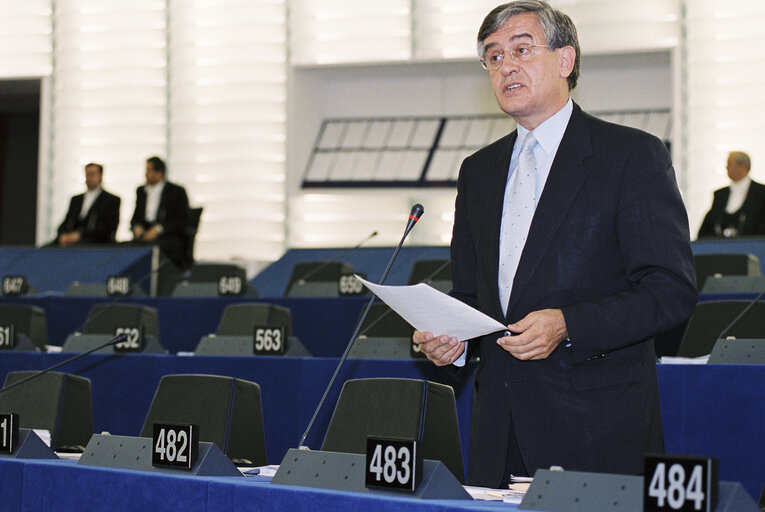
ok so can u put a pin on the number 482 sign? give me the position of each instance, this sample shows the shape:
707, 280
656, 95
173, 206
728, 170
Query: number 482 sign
680, 483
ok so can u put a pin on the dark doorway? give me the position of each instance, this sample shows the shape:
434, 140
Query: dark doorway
19, 149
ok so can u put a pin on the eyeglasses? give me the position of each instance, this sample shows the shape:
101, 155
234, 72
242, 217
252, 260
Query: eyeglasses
493, 59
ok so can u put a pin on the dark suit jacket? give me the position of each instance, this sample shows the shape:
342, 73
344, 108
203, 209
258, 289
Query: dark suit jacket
748, 220
99, 225
172, 215
609, 245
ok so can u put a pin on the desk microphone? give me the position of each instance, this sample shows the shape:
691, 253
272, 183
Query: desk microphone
117, 339
302, 279
414, 216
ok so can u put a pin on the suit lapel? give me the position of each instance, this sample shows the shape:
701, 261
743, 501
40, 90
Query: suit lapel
567, 174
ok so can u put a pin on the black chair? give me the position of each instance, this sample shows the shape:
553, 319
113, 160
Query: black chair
57, 402
213, 279
195, 216
316, 278
709, 322
104, 320
384, 335
28, 324
436, 273
397, 408
234, 335
227, 411
708, 265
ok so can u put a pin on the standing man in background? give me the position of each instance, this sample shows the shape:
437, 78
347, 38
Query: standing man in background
738, 209
572, 232
92, 217
161, 214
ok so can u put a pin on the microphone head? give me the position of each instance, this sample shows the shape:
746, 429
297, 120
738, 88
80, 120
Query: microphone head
416, 213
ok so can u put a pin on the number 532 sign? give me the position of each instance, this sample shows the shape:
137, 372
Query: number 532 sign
680, 483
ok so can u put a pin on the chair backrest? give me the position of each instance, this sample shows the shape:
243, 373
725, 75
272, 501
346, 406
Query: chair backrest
227, 411
709, 322
58, 402
106, 318
28, 320
316, 278
383, 322
436, 273
241, 319
397, 408
708, 265
195, 216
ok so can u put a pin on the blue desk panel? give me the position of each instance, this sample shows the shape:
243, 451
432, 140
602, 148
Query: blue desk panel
63, 486
371, 261
53, 270
323, 325
715, 410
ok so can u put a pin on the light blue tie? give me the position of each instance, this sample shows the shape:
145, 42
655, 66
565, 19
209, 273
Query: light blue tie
516, 220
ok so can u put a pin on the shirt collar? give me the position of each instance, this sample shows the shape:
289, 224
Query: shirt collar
550, 132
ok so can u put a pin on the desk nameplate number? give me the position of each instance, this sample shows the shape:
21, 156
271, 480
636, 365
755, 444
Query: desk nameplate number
680, 483
393, 464
7, 337
230, 285
349, 286
134, 342
268, 341
9, 432
175, 446
118, 286
15, 285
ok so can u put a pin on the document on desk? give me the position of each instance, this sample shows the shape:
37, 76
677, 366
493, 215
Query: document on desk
427, 309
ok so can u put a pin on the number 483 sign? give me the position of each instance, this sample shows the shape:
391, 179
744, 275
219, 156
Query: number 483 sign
393, 464
680, 483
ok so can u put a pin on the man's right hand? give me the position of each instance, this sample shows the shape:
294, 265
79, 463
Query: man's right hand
442, 350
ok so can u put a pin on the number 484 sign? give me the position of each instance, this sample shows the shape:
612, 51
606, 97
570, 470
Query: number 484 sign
680, 483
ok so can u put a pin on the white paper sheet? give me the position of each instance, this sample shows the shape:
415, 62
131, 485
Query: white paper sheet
427, 309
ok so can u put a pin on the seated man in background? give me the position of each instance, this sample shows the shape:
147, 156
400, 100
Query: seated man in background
161, 214
92, 217
739, 209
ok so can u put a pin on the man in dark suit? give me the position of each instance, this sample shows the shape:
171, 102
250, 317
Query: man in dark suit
92, 217
603, 263
161, 214
739, 209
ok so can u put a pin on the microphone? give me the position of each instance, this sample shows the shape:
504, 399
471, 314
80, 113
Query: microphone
116, 339
302, 279
414, 216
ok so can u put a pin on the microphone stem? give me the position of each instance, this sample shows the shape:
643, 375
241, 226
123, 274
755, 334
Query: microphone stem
350, 343
115, 339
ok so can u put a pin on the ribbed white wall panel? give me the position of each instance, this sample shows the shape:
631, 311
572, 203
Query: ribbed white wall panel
724, 94
25, 38
227, 94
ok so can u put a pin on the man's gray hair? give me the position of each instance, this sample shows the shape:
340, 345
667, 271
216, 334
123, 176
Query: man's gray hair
558, 28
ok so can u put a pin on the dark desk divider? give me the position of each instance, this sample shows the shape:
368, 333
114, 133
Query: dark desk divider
127, 452
345, 472
27, 320
741, 351
218, 345
24, 343
78, 342
734, 284
381, 348
575, 491
30, 446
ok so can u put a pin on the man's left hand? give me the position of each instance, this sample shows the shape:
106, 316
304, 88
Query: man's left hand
536, 335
